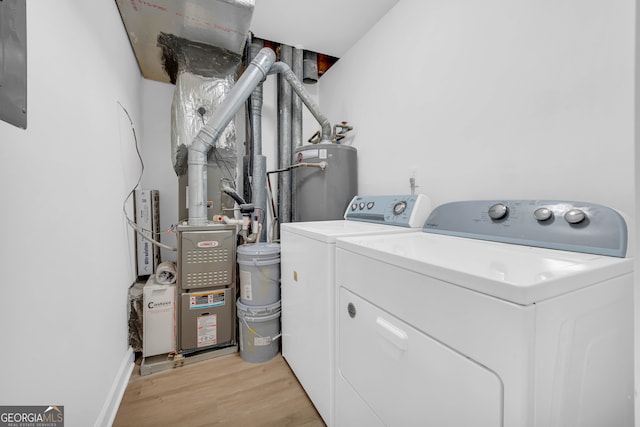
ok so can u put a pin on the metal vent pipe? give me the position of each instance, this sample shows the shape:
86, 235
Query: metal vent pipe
258, 161
310, 67
296, 108
257, 70
296, 85
256, 106
284, 139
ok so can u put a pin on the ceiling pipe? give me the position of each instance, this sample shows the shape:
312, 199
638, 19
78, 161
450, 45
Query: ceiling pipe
255, 73
310, 67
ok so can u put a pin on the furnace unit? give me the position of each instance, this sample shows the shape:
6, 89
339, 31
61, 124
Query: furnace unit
207, 286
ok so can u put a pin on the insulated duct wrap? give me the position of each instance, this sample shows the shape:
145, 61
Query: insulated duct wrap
203, 75
195, 99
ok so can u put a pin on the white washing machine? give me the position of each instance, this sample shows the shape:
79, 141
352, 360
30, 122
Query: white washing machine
501, 313
308, 284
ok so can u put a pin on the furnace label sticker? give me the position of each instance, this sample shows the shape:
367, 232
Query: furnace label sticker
207, 330
210, 299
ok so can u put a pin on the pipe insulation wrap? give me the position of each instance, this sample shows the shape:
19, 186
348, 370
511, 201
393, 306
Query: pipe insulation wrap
255, 73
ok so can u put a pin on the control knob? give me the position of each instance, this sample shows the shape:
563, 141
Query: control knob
498, 211
399, 207
543, 214
575, 216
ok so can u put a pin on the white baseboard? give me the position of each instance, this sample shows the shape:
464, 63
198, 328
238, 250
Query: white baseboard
112, 403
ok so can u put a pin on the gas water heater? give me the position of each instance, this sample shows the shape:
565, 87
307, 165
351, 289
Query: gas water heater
323, 194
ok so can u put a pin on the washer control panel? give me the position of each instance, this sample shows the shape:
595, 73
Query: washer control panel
402, 211
566, 225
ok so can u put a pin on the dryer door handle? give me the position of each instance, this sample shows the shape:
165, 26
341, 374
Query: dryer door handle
392, 333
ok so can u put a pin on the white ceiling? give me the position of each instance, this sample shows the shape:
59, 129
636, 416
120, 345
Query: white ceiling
324, 26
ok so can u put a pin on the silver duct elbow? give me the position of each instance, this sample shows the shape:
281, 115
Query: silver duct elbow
255, 73
296, 85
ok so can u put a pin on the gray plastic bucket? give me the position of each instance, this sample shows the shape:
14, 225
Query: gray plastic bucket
259, 273
259, 331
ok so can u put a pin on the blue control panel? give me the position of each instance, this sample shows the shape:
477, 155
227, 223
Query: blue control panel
572, 226
402, 210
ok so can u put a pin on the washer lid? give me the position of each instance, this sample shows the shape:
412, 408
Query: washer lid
369, 215
520, 274
328, 231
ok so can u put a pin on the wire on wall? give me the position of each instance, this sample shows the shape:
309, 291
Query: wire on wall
132, 223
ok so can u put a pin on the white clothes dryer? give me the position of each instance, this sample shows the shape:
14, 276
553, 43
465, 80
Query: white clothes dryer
501, 313
308, 284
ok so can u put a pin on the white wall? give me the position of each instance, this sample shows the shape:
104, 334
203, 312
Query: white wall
66, 251
493, 99
637, 211
156, 155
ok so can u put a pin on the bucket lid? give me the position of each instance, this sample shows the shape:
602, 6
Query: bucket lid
257, 317
259, 249
257, 310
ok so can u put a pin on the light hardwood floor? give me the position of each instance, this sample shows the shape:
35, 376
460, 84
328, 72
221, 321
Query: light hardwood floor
224, 391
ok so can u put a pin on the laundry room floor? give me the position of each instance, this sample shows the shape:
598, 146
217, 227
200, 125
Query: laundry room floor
223, 391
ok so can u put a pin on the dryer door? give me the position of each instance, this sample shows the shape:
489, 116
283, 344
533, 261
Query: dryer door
407, 378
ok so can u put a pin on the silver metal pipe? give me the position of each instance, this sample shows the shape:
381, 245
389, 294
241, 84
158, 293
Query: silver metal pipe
260, 196
282, 68
258, 161
310, 67
255, 73
256, 107
296, 108
284, 138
